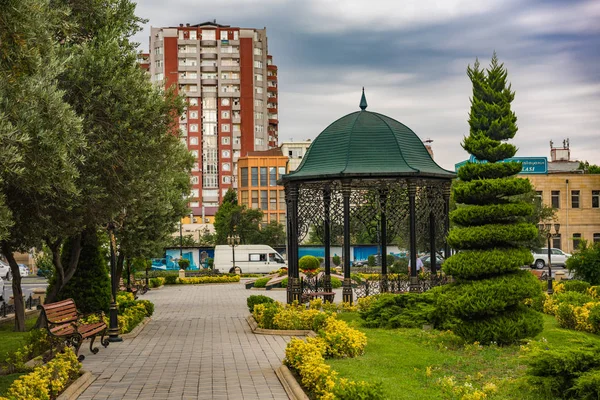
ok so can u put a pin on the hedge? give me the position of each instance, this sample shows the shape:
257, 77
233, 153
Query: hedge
209, 279
261, 282
473, 264
469, 215
492, 235
486, 191
471, 171
484, 148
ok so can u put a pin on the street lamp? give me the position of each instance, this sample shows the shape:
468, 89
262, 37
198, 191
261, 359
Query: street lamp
233, 240
546, 229
113, 327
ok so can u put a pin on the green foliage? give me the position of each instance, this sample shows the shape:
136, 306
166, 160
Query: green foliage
44, 264
488, 297
251, 301
489, 191
471, 171
589, 168
184, 263
565, 373
90, 285
335, 283
492, 213
268, 315
585, 264
408, 310
171, 279
390, 259
351, 390
336, 260
492, 235
476, 264
308, 263
399, 266
284, 282
261, 283
371, 261
155, 282
576, 286
233, 218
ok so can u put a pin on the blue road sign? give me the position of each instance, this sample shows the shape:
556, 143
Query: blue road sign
531, 165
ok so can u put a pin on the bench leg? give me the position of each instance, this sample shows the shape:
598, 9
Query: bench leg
93, 349
75, 342
104, 342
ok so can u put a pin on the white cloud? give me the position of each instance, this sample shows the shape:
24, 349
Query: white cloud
569, 17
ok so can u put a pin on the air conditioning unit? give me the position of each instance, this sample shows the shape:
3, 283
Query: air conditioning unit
206, 220
194, 220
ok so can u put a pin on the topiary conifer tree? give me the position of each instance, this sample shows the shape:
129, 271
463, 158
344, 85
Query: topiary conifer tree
90, 284
490, 224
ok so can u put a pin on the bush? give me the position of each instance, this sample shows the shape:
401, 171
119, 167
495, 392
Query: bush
171, 279
156, 282
371, 261
336, 260
341, 341
350, 390
399, 266
476, 264
585, 264
284, 282
489, 191
576, 286
321, 260
335, 283
409, 310
472, 171
261, 283
390, 259
492, 235
265, 313
308, 263
49, 380
251, 301
209, 279
184, 263
492, 213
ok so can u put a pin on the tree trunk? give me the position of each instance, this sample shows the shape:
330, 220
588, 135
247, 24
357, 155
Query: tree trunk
16, 287
120, 262
63, 273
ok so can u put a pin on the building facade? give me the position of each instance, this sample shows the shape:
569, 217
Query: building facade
230, 86
258, 173
295, 151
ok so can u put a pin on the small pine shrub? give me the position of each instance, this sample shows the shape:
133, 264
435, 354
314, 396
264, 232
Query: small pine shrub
336, 260
171, 279
251, 301
156, 282
390, 259
308, 263
261, 283
576, 286
371, 261
284, 282
335, 283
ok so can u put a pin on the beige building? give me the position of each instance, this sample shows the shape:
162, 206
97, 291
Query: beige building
574, 194
295, 151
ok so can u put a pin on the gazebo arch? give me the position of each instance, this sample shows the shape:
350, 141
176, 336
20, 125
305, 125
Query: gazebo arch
362, 168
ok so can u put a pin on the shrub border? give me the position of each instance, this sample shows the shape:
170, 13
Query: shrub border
78, 386
282, 332
137, 330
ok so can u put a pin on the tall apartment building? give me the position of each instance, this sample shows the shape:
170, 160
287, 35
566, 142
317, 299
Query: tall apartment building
230, 85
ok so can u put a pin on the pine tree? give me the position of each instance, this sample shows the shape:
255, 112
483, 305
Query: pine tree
491, 223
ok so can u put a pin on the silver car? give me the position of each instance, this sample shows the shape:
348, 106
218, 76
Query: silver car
2, 289
5, 270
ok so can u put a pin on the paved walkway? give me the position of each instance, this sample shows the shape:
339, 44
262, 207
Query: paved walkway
197, 346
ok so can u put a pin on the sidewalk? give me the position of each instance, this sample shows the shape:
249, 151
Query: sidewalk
197, 346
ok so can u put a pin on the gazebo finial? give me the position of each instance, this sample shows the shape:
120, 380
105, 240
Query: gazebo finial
363, 100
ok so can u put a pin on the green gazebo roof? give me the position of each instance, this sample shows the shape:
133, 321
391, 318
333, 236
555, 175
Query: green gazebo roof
365, 144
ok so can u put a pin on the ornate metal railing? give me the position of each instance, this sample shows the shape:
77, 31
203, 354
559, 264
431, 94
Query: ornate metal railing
398, 284
7, 309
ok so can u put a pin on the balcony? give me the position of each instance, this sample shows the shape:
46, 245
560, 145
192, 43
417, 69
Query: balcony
187, 68
208, 43
208, 68
208, 56
236, 120
234, 68
236, 106
272, 78
271, 88
270, 110
209, 82
273, 121
230, 55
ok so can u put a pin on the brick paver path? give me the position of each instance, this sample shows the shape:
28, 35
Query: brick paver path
197, 346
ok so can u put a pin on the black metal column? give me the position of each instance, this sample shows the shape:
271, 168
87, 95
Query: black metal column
446, 219
294, 289
327, 241
113, 326
432, 247
414, 283
383, 242
347, 287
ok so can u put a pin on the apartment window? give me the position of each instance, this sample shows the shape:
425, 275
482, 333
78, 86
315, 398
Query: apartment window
244, 182
264, 201
576, 240
258, 141
225, 140
281, 200
209, 103
596, 237
225, 154
254, 199
226, 166
225, 127
272, 200
258, 90
263, 176
225, 114
193, 114
194, 204
224, 35
259, 129
574, 198
235, 35
556, 240
258, 77
281, 171
196, 167
225, 102
193, 127
226, 179
257, 51
193, 35
209, 34
195, 180
556, 199
258, 115
258, 64
244, 197
254, 176
272, 176
193, 101
194, 140
194, 153
195, 193
209, 115
595, 198
158, 63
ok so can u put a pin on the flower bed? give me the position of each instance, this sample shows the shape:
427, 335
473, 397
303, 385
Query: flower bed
131, 312
46, 381
208, 279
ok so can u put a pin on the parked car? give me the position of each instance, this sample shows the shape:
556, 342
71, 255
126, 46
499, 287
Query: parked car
24, 270
1, 289
5, 270
427, 260
540, 257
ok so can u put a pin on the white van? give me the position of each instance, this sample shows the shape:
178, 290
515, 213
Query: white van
249, 258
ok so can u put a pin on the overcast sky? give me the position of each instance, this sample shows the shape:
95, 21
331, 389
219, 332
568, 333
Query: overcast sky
411, 57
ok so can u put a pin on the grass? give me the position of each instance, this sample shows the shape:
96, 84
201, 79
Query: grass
6, 381
411, 362
10, 340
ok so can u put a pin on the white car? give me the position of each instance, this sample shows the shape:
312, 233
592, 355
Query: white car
557, 257
24, 271
1, 289
5, 270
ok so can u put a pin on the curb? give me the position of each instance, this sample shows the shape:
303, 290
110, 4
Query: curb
261, 331
77, 387
290, 384
137, 330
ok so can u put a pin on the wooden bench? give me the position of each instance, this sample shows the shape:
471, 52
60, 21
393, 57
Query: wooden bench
66, 329
137, 286
326, 296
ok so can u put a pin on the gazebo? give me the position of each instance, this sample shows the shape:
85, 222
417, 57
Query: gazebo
366, 171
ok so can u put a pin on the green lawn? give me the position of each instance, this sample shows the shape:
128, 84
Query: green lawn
410, 362
9, 342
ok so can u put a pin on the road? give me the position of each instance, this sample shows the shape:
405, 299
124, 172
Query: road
28, 283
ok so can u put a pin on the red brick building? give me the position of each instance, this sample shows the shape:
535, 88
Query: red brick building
230, 85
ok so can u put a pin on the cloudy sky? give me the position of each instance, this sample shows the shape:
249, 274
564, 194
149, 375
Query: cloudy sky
411, 57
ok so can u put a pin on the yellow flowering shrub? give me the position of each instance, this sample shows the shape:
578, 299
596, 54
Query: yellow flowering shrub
292, 318
342, 341
208, 279
467, 391
594, 291
47, 381
559, 288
